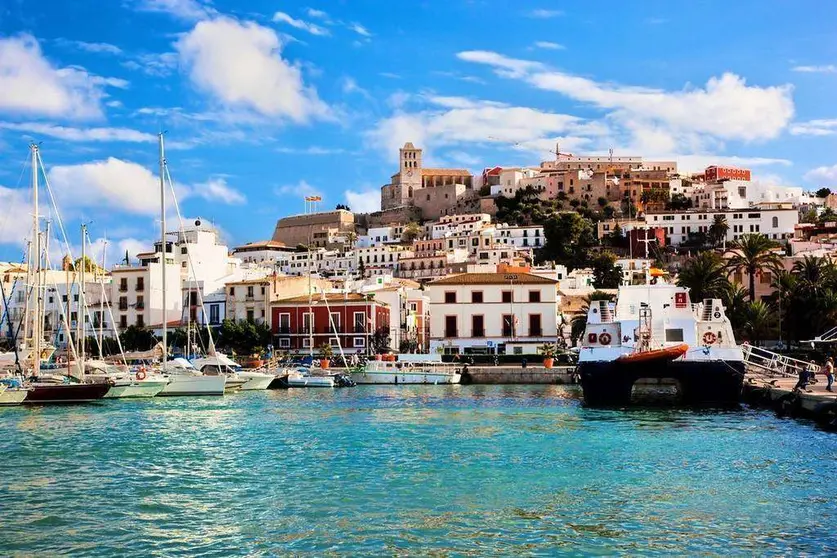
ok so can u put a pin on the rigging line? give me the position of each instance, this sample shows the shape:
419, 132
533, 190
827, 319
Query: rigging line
65, 319
189, 256
110, 311
19, 179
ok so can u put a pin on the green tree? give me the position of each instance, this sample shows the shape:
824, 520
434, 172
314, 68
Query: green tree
679, 202
606, 274
243, 337
752, 253
412, 231
705, 275
89, 265
569, 238
734, 300
602, 201
135, 338
759, 320
351, 239
823, 192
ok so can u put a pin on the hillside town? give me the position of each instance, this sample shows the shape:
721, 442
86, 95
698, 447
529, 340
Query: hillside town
454, 263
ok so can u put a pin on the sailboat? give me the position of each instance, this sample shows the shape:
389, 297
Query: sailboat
181, 380
49, 388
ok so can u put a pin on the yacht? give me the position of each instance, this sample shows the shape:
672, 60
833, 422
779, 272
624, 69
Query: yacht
408, 369
125, 382
12, 392
654, 337
185, 379
244, 380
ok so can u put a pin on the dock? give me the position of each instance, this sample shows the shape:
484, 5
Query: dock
777, 393
495, 375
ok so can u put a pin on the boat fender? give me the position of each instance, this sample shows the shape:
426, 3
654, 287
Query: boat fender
709, 338
141, 375
604, 338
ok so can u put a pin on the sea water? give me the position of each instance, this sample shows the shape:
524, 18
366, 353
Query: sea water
410, 470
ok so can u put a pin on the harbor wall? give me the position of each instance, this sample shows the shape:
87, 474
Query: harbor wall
519, 375
787, 402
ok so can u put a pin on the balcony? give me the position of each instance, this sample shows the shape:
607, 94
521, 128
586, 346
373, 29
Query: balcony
139, 305
284, 330
123, 288
359, 329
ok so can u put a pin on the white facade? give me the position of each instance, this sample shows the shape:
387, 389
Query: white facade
137, 293
380, 259
776, 224
520, 236
380, 235
482, 313
635, 271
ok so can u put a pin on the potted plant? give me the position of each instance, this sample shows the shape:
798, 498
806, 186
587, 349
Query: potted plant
548, 352
326, 352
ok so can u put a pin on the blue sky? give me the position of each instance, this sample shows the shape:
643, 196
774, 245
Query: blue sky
265, 103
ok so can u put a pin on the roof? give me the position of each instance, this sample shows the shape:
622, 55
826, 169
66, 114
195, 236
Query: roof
408, 145
494, 279
331, 298
445, 172
261, 244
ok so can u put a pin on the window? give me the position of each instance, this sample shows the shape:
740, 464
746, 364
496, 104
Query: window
507, 296
140, 283
450, 297
674, 335
140, 302
508, 323
535, 325
123, 321
214, 314
232, 291
306, 342
476, 297
285, 343
20, 297
450, 326
75, 298
477, 326
359, 342
335, 321
123, 284
250, 291
534, 296
307, 322
775, 222
250, 315
765, 278
123, 302
360, 322
284, 323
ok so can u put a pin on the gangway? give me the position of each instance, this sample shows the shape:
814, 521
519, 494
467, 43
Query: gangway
770, 363
829, 336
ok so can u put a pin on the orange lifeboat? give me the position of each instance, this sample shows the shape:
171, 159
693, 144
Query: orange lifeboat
668, 353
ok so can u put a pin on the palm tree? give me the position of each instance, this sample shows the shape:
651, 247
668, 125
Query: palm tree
579, 321
705, 276
734, 299
786, 289
351, 239
814, 273
759, 320
752, 253
718, 229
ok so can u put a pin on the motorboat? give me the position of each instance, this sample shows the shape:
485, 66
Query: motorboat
237, 379
185, 379
407, 369
653, 337
125, 382
302, 378
12, 392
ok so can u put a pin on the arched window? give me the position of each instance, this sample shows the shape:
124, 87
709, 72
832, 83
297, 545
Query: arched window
775, 222
410, 192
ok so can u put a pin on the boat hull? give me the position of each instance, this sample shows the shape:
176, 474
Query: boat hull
310, 381
13, 397
66, 393
136, 389
406, 378
193, 385
255, 380
706, 382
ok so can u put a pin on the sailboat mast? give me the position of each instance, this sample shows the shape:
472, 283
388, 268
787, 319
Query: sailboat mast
36, 261
81, 306
163, 247
102, 301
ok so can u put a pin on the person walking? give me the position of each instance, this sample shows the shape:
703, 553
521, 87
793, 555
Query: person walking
829, 373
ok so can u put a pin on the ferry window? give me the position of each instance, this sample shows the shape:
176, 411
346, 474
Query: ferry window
450, 297
674, 335
476, 297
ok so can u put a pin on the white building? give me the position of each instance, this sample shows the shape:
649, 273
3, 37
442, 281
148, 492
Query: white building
777, 224
636, 271
520, 236
137, 291
265, 252
381, 259
492, 312
380, 235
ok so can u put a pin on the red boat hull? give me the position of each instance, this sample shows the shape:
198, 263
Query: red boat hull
669, 353
65, 393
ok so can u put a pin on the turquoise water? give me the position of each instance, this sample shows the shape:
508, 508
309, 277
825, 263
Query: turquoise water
456, 470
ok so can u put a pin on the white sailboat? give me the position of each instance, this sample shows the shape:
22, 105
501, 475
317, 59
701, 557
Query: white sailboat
181, 380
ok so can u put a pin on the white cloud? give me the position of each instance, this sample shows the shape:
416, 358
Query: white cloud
298, 190
545, 14
821, 127
98, 48
827, 69
240, 64
160, 64
30, 84
350, 86
312, 28
312, 150
114, 104
822, 175
319, 14
359, 29
365, 201
217, 189
547, 45
726, 108
15, 228
458, 120
184, 9
80, 134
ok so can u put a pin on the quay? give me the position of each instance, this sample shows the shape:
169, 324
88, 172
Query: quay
495, 375
777, 393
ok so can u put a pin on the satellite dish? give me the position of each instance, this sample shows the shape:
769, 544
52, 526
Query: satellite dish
197, 222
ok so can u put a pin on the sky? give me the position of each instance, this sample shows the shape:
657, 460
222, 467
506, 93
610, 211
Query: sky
265, 102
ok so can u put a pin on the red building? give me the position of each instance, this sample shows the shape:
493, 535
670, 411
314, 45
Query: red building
716, 174
356, 318
652, 236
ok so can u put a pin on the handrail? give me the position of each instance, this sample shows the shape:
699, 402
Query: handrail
772, 364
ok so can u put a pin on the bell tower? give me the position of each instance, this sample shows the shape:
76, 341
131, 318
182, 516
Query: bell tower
409, 171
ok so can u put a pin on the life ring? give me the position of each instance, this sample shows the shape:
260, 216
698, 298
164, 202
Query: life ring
709, 338
141, 375
604, 339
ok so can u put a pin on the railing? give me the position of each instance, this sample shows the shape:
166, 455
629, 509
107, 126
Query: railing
285, 330
123, 288
772, 364
140, 305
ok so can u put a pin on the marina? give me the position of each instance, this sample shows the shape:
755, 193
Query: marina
412, 470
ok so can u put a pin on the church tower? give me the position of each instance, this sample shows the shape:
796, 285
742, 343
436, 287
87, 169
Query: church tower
410, 171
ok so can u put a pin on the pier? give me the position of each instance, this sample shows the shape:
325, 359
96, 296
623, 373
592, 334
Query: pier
520, 375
